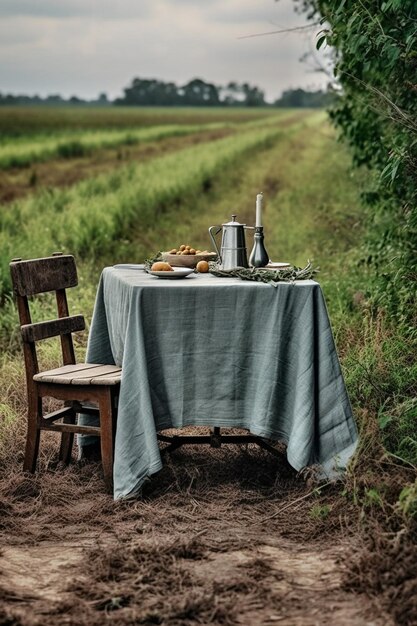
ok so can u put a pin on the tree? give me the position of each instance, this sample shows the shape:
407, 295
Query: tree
199, 93
231, 94
301, 98
253, 96
375, 52
102, 99
148, 92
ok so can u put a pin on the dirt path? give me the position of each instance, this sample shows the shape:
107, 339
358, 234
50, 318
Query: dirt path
274, 582
229, 536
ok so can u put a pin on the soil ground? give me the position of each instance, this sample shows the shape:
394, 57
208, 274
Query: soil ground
220, 536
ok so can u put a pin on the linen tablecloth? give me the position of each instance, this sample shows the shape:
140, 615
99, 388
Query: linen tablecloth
220, 352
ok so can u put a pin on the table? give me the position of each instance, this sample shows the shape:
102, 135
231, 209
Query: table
220, 352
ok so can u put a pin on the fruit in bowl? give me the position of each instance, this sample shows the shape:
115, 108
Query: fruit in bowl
187, 256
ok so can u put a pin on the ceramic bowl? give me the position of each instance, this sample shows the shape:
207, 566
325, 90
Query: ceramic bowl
187, 260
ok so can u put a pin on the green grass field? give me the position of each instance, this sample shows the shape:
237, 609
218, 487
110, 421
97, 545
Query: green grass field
22, 151
87, 217
27, 121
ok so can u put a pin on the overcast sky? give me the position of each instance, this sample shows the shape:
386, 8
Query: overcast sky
84, 47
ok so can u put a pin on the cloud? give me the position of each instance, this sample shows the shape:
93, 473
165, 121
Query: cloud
62, 9
85, 47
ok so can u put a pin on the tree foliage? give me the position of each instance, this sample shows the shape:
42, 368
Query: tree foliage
197, 92
53, 100
374, 45
305, 99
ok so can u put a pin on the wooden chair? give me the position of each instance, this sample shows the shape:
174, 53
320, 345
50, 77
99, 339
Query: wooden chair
73, 383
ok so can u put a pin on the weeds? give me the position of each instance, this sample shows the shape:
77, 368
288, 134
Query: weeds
320, 511
71, 150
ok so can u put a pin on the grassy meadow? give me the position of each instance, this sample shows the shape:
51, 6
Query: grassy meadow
118, 185
35, 120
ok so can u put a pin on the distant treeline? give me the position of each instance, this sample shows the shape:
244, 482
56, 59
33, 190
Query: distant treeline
52, 100
197, 92
309, 99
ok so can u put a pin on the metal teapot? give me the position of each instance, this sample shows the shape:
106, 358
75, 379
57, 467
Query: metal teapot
232, 251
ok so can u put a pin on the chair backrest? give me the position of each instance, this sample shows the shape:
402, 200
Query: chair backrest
41, 275
54, 273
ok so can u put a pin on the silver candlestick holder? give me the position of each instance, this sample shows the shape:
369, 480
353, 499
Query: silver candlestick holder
259, 256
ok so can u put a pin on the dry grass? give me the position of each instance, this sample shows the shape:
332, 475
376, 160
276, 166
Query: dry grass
224, 536
385, 565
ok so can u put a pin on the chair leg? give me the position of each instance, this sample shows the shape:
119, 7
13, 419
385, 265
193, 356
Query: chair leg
33, 434
106, 439
67, 440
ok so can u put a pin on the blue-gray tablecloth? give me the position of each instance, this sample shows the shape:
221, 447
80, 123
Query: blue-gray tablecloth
220, 352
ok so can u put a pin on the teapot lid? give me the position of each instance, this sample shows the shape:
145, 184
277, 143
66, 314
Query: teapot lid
233, 222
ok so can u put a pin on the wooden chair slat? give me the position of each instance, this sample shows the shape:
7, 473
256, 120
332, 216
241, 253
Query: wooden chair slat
81, 374
58, 414
67, 370
52, 328
72, 428
42, 275
108, 372
101, 380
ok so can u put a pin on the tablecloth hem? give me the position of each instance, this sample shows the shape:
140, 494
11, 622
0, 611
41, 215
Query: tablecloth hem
136, 492
332, 469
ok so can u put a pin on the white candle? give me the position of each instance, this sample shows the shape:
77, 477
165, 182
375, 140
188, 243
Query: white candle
259, 200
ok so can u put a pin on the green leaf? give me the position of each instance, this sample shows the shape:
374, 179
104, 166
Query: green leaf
395, 169
384, 420
320, 42
410, 42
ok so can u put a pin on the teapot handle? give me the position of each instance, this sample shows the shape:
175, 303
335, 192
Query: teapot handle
214, 240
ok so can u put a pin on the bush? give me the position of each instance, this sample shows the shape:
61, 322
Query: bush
375, 52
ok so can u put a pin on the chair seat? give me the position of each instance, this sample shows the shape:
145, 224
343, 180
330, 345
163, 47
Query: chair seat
81, 374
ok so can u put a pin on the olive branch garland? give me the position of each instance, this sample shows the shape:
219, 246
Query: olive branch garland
258, 274
149, 262
265, 275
